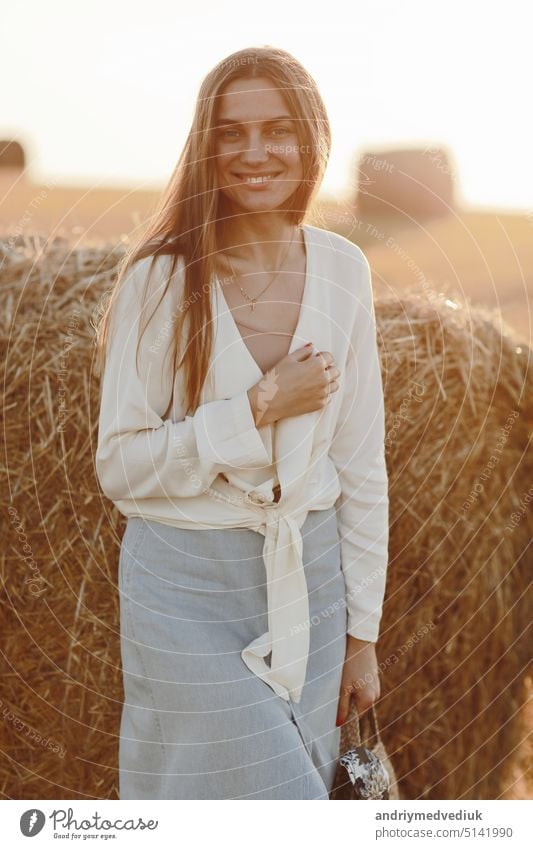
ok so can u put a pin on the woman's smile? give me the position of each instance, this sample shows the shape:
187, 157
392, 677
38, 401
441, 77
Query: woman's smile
256, 180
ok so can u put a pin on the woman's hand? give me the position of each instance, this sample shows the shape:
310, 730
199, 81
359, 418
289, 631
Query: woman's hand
301, 382
360, 678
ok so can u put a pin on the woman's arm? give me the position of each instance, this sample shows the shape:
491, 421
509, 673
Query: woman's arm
358, 451
138, 454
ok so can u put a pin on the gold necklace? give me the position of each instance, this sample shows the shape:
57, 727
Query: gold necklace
246, 295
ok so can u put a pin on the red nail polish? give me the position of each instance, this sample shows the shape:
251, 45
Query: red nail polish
340, 721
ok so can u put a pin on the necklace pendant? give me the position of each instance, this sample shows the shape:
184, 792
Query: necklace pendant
253, 304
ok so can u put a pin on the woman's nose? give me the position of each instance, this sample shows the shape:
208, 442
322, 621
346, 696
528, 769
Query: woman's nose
255, 149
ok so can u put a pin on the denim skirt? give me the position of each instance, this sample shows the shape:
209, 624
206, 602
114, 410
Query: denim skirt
196, 722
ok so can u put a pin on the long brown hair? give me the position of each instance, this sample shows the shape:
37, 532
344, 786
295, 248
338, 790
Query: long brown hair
185, 220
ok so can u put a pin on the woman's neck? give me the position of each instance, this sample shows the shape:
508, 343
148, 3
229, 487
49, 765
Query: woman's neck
258, 239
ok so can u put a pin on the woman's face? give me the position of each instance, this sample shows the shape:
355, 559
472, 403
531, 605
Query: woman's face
257, 151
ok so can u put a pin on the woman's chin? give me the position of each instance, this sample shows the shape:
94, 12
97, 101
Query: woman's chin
257, 204
256, 200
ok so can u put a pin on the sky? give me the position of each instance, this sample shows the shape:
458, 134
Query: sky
102, 93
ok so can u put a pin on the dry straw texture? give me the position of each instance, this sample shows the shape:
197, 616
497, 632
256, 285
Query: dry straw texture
453, 648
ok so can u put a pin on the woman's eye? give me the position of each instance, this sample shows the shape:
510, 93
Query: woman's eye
228, 134
231, 133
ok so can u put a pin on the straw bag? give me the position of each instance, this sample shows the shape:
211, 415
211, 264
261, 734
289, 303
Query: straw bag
363, 771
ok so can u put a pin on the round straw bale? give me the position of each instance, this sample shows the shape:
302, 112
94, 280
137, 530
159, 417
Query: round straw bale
453, 649
415, 183
12, 154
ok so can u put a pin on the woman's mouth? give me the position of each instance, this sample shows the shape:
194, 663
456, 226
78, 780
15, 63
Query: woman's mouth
256, 179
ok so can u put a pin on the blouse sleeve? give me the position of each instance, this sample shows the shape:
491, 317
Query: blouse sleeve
139, 453
358, 452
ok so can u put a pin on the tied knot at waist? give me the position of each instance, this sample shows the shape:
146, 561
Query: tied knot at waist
287, 637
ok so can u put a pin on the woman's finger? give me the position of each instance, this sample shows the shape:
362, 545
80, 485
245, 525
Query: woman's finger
363, 703
366, 697
303, 353
344, 703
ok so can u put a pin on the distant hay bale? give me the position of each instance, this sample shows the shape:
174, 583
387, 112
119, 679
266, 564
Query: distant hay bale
12, 154
411, 183
453, 649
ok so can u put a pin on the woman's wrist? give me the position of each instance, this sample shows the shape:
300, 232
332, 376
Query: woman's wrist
359, 640
356, 644
261, 417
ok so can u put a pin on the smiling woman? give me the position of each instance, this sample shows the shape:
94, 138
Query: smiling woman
239, 436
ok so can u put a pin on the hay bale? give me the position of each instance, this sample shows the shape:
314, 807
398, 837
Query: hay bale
453, 648
412, 183
12, 155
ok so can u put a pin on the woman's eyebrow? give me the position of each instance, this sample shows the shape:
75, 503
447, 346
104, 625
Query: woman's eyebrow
224, 122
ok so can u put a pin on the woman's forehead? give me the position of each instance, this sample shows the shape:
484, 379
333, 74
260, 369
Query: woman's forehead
253, 100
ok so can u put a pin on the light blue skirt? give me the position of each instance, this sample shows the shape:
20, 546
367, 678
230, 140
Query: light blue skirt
196, 722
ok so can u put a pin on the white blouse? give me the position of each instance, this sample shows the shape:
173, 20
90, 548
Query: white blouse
207, 470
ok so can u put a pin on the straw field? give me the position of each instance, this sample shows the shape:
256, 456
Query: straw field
454, 649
